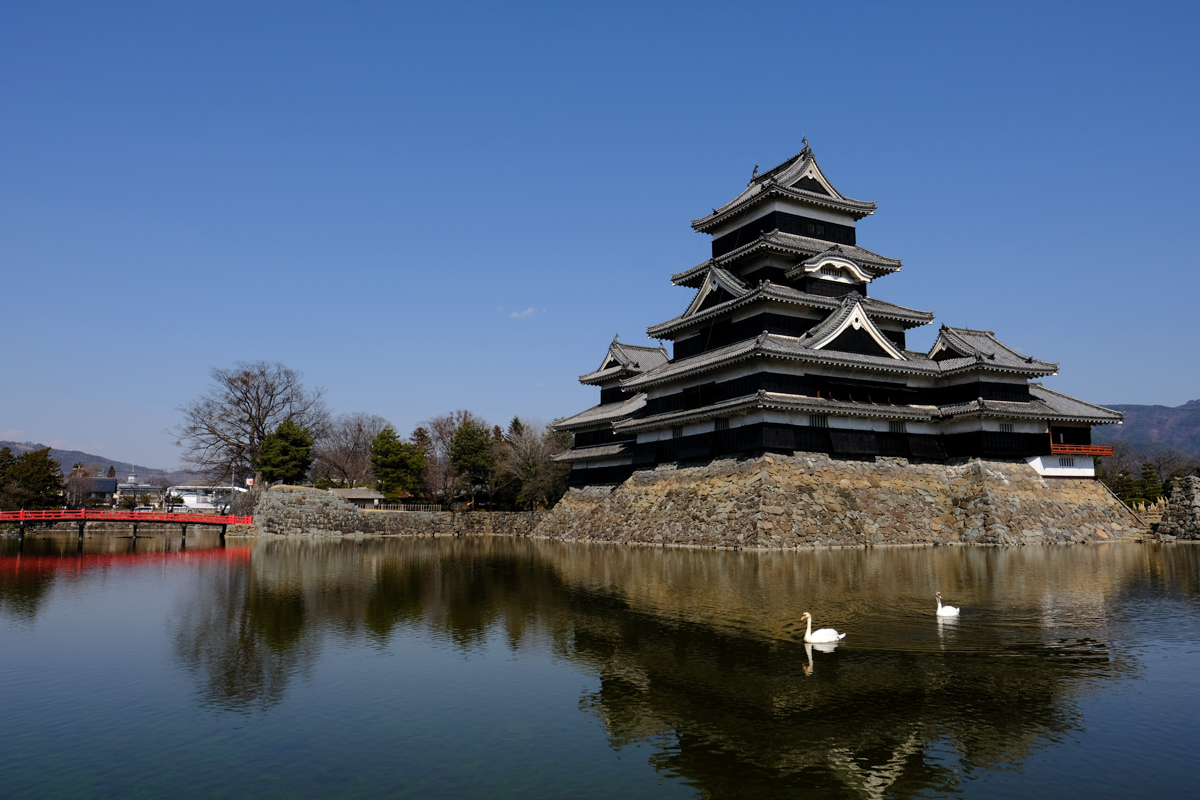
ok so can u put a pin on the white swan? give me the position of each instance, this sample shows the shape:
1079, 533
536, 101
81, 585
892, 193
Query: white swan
945, 611
822, 635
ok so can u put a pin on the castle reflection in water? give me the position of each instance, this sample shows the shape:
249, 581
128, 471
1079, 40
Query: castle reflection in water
696, 652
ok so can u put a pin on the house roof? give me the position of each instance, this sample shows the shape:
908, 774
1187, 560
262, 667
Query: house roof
602, 415
804, 247
358, 493
767, 290
799, 178
623, 360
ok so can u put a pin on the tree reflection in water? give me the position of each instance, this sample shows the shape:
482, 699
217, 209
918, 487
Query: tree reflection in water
244, 638
699, 653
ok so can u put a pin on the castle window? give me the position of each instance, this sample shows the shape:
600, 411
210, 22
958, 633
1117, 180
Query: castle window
722, 424
831, 272
676, 431
898, 426
1006, 427
818, 420
1066, 462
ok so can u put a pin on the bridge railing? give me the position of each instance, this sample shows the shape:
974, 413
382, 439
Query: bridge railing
61, 514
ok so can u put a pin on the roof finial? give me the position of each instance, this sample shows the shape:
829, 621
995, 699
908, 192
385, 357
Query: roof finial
807, 151
754, 174
616, 336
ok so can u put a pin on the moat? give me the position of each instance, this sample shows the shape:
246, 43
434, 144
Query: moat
496, 667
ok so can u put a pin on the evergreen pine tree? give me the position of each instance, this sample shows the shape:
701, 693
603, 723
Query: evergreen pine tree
1149, 484
397, 465
286, 453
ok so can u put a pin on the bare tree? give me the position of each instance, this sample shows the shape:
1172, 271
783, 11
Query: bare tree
534, 444
222, 431
1169, 463
78, 484
343, 455
440, 477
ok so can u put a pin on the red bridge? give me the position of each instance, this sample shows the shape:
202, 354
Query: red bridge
81, 516
84, 514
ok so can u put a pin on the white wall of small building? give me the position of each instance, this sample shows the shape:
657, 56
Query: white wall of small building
1063, 466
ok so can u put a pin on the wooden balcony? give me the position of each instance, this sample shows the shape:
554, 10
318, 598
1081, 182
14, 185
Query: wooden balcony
1080, 450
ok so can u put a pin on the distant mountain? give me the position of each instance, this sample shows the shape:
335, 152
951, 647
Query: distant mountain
68, 458
1156, 427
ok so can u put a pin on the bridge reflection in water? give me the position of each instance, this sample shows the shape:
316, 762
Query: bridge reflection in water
698, 655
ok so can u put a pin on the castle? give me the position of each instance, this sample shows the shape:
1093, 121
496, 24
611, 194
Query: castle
783, 349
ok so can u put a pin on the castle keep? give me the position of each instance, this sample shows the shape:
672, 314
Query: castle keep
785, 349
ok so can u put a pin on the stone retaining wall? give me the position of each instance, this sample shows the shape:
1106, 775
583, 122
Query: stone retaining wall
292, 510
810, 500
770, 501
1182, 516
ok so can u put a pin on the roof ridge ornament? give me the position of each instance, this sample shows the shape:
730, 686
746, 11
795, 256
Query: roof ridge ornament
807, 151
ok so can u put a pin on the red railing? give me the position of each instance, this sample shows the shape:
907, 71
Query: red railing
59, 514
1080, 450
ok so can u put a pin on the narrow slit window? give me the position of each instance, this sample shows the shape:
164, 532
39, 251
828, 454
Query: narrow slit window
677, 432
818, 420
722, 424
898, 426
1006, 427
1066, 461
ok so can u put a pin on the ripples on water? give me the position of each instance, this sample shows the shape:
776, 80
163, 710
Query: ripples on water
494, 667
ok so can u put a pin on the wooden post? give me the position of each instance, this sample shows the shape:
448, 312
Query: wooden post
223, 527
135, 530
82, 522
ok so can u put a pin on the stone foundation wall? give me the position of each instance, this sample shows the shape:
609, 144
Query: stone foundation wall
809, 500
1181, 518
292, 511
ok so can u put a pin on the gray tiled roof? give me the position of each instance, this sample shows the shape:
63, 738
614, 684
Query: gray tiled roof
1066, 408
801, 349
1044, 404
975, 347
786, 294
778, 182
597, 452
602, 415
777, 400
801, 246
630, 359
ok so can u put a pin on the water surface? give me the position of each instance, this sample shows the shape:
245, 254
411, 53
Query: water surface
493, 667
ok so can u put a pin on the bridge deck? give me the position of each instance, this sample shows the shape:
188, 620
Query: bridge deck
61, 514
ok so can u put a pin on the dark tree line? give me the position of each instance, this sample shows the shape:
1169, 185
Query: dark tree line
1143, 476
31, 481
259, 418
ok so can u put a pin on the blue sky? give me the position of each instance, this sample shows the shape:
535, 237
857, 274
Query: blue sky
436, 206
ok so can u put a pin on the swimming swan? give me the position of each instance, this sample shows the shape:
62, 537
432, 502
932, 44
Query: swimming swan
945, 611
822, 635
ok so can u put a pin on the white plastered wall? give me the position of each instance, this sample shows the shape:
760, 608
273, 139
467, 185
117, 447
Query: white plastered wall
1063, 466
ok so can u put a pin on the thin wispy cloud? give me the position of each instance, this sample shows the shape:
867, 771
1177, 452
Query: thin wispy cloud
522, 314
